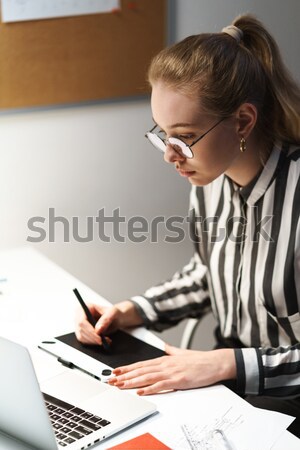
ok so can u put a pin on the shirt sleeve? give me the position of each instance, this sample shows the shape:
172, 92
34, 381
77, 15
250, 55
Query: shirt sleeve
184, 295
269, 371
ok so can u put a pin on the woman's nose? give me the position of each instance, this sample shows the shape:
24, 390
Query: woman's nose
171, 155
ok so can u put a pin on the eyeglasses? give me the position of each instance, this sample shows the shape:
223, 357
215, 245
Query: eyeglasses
179, 145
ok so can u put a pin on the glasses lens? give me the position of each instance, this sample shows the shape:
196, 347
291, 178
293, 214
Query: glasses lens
156, 141
180, 147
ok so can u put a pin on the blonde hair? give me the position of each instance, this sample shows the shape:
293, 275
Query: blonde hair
226, 72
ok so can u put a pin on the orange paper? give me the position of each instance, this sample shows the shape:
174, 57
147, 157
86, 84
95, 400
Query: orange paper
143, 442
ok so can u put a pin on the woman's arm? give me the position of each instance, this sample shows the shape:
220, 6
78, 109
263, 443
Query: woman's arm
184, 295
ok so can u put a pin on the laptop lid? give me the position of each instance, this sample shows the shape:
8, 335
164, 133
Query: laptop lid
22, 410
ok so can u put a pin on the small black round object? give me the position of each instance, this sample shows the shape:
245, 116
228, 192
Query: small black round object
106, 372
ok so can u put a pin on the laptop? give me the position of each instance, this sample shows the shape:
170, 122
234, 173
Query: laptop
70, 410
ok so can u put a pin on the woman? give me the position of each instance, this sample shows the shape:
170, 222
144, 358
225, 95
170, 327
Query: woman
226, 115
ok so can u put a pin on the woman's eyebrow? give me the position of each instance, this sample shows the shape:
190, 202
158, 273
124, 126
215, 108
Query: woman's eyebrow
181, 125
176, 125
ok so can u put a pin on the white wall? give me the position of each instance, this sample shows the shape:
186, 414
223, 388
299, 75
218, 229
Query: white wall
81, 159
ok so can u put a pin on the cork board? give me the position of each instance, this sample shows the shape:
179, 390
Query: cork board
80, 59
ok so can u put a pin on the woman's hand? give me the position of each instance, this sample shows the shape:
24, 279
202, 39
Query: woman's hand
109, 319
181, 369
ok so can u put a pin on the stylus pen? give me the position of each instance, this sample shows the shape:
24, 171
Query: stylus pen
91, 319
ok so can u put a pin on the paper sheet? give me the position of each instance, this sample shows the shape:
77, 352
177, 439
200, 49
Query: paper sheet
243, 432
245, 427
19, 10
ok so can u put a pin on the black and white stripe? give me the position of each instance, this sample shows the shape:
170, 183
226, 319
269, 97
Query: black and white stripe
246, 269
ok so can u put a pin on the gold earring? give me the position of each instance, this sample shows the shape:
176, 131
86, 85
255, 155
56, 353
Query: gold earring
242, 145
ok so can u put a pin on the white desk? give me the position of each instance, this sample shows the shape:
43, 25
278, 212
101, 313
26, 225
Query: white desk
37, 302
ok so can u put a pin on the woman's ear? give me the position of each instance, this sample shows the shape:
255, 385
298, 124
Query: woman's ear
246, 116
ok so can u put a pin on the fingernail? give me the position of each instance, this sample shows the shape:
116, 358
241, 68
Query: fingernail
140, 392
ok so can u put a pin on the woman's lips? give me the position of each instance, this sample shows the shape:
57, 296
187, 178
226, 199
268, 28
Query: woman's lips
185, 173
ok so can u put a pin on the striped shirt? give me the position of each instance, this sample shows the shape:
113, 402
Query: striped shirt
246, 270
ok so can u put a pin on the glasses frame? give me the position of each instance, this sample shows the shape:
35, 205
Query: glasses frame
167, 140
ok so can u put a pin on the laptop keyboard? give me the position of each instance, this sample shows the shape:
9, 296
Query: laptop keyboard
69, 422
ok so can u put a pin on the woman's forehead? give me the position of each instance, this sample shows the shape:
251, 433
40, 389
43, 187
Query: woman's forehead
171, 107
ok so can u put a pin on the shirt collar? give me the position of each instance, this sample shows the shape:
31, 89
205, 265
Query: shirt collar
254, 190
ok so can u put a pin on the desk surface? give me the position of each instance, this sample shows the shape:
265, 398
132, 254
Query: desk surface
37, 302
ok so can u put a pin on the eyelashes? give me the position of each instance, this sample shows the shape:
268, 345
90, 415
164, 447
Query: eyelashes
183, 137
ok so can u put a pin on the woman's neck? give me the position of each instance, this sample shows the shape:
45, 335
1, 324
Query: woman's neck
249, 163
